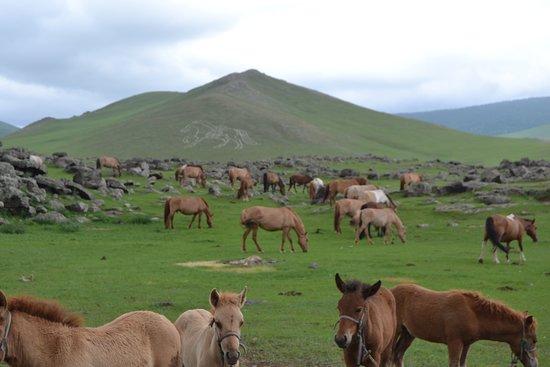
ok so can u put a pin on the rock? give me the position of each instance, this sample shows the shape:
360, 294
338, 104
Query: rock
418, 189
56, 205
474, 185
279, 199
52, 186
169, 188
89, 178
215, 191
491, 175
113, 183
519, 171
249, 261
7, 169
452, 224
79, 190
373, 175
313, 266
488, 198
24, 165
4, 221
78, 207
348, 172
157, 175
50, 217
458, 207
16, 202
41, 209
82, 220
423, 225
116, 193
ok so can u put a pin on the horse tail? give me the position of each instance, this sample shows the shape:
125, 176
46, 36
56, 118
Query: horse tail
402, 186
493, 235
176, 175
207, 210
98, 163
391, 201
266, 184
337, 217
327, 192
167, 213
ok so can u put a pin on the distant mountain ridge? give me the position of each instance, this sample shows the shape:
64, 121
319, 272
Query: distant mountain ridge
251, 115
6, 129
491, 119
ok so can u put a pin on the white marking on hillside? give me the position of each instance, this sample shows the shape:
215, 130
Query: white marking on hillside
197, 132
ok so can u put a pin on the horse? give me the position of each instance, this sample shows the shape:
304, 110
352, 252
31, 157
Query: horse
347, 207
270, 179
191, 171
109, 162
247, 184
236, 173
408, 178
339, 186
187, 205
367, 323
42, 333
314, 187
300, 180
213, 339
355, 191
377, 196
381, 218
459, 319
499, 229
273, 219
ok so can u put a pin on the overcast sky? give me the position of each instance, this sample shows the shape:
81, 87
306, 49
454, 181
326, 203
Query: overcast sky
60, 58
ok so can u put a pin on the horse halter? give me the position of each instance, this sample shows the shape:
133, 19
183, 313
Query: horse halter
362, 351
4, 341
523, 349
225, 336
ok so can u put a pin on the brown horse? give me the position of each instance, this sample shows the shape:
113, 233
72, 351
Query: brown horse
459, 319
187, 205
191, 171
236, 173
273, 219
356, 191
299, 180
499, 229
339, 187
347, 207
381, 218
42, 333
408, 178
247, 184
367, 324
213, 339
271, 179
109, 162
377, 196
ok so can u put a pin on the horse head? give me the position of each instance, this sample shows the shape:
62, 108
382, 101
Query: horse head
524, 346
531, 229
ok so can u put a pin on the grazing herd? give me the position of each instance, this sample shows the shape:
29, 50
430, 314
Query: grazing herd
376, 325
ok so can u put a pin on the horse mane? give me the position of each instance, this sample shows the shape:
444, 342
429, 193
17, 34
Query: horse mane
45, 309
492, 307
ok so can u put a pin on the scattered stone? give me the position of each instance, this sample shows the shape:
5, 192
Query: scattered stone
452, 224
418, 189
423, 225
290, 293
215, 191
26, 278
348, 172
164, 304
313, 266
78, 207
50, 218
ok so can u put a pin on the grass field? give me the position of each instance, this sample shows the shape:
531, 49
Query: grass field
114, 265
540, 132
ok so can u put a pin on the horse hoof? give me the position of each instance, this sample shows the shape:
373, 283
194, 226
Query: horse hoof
480, 261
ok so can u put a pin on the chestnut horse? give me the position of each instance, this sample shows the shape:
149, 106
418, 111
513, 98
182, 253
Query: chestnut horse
42, 333
381, 218
299, 180
270, 179
191, 171
273, 219
367, 324
187, 205
236, 173
247, 184
409, 178
499, 228
339, 186
459, 319
343, 207
109, 162
213, 339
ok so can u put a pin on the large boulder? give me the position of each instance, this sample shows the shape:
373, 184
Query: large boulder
89, 178
348, 172
418, 189
51, 185
492, 198
491, 175
24, 165
78, 207
78, 190
50, 218
113, 183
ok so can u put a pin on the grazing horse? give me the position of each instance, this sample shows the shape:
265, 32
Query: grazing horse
367, 324
273, 219
356, 191
347, 207
187, 205
42, 333
340, 186
409, 178
213, 339
191, 171
247, 184
109, 162
271, 179
236, 173
381, 218
300, 180
377, 196
459, 319
314, 187
499, 229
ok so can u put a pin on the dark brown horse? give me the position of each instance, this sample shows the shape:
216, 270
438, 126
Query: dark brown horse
459, 319
109, 162
299, 180
367, 324
499, 228
339, 187
187, 205
272, 179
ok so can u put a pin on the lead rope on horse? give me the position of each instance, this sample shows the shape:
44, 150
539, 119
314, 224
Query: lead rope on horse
522, 349
362, 351
4, 341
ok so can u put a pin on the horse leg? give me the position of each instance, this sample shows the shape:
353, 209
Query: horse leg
508, 254
200, 217
482, 255
403, 343
192, 220
495, 255
454, 348
358, 232
245, 235
521, 254
464, 355
282, 248
375, 361
290, 239
255, 238
387, 235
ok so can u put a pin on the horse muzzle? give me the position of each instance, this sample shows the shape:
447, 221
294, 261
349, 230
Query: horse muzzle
342, 341
232, 357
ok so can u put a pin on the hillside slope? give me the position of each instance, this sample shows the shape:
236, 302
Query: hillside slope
250, 115
540, 132
6, 129
491, 119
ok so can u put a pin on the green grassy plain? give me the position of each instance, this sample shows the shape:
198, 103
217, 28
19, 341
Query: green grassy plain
111, 266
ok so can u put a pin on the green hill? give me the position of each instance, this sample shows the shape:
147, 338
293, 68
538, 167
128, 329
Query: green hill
540, 132
491, 119
250, 115
6, 129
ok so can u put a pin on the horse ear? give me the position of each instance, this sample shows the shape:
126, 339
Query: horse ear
242, 296
529, 321
340, 283
372, 290
214, 297
3, 300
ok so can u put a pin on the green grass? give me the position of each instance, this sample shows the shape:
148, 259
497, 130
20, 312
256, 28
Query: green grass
112, 266
540, 132
6, 129
282, 118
